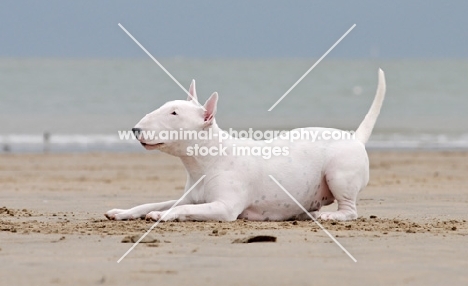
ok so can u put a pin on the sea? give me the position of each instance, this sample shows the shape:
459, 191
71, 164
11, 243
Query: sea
80, 105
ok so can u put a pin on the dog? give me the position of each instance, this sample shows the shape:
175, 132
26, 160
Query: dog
240, 187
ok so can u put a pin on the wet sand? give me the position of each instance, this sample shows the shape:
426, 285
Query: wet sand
412, 227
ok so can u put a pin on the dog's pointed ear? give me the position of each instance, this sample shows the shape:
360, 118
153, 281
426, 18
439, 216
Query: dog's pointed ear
192, 91
210, 106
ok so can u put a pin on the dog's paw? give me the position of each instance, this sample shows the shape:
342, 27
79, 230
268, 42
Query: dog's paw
154, 215
337, 216
163, 216
118, 214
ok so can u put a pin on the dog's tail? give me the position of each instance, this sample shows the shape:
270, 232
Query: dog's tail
365, 129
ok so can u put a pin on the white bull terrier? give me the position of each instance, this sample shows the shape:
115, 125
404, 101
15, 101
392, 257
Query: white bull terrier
314, 173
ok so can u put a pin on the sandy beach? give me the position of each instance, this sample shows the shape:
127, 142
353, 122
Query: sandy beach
411, 230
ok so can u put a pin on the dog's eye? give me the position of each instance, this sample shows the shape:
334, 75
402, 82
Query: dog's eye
174, 113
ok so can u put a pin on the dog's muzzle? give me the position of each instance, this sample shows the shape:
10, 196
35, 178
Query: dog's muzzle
136, 131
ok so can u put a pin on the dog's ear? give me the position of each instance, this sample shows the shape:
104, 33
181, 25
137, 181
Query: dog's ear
192, 91
210, 106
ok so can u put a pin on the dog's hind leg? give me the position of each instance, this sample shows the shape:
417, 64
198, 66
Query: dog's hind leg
346, 178
345, 187
139, 211
346, 211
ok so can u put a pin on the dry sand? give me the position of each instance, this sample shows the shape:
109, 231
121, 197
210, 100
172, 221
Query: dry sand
412, 227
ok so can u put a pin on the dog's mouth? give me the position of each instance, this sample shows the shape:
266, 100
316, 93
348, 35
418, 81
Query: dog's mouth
151, 146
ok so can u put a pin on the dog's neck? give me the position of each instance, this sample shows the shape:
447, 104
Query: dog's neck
197, 166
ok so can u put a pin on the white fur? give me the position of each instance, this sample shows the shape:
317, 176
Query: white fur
315, 173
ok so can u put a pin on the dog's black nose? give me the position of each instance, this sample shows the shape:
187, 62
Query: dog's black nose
136, 131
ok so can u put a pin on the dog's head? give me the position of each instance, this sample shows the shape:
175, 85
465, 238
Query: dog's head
154, 130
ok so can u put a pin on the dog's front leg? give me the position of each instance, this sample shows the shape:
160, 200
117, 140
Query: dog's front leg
203, 212
139, 211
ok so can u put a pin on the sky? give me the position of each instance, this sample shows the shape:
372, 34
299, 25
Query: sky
234, 29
